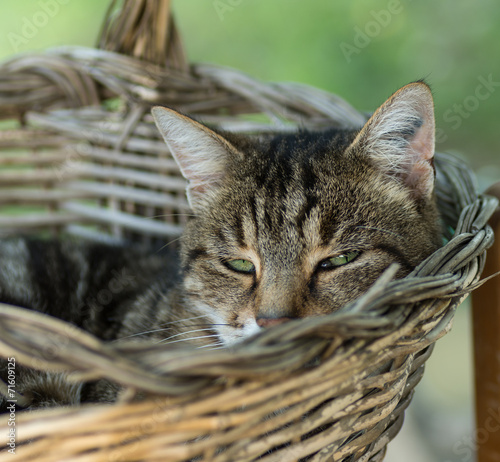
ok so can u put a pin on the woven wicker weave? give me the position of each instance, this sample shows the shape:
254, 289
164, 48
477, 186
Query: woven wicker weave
85, 158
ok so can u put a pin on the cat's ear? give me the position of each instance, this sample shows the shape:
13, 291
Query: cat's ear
201, 154
399, 138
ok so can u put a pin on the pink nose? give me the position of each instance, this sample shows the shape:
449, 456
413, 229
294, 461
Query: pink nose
268, 322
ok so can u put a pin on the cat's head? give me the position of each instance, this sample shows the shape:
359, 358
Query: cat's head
300, 224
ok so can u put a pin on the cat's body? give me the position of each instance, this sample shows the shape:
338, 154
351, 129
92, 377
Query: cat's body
94, 286
284, 226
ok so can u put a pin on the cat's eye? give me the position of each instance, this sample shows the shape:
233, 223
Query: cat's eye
241, 266
339, 260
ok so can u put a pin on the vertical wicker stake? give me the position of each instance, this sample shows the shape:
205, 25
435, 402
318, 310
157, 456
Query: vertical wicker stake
486, 320
144, 29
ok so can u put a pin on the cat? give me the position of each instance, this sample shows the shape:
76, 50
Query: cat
284, 226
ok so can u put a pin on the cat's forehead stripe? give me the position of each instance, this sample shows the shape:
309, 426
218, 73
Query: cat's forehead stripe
305, 212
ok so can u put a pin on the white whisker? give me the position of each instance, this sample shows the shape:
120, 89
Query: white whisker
168, 243
211, 345
185, 319
166, 215
185, 333
190, 338
145, 332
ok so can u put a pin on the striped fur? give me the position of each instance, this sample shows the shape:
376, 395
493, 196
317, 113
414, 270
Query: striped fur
287, 203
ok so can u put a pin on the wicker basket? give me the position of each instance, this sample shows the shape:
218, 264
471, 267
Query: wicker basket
80, 155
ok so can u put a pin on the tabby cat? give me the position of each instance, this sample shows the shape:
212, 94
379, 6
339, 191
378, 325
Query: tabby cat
284, 226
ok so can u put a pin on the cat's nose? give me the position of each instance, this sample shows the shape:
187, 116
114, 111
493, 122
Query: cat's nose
268, 322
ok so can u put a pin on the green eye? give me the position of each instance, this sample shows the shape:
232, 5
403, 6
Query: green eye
242, 266
339, 260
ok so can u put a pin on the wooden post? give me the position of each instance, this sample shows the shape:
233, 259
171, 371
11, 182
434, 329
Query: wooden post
486, 331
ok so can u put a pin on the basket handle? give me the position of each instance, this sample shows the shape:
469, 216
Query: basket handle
145, 30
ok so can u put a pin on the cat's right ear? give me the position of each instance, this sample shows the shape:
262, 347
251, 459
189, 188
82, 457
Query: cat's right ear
201, 154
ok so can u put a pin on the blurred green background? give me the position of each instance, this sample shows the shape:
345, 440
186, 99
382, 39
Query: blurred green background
362, 50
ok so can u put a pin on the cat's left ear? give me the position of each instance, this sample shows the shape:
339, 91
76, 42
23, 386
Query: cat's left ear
202, 154
399, 138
